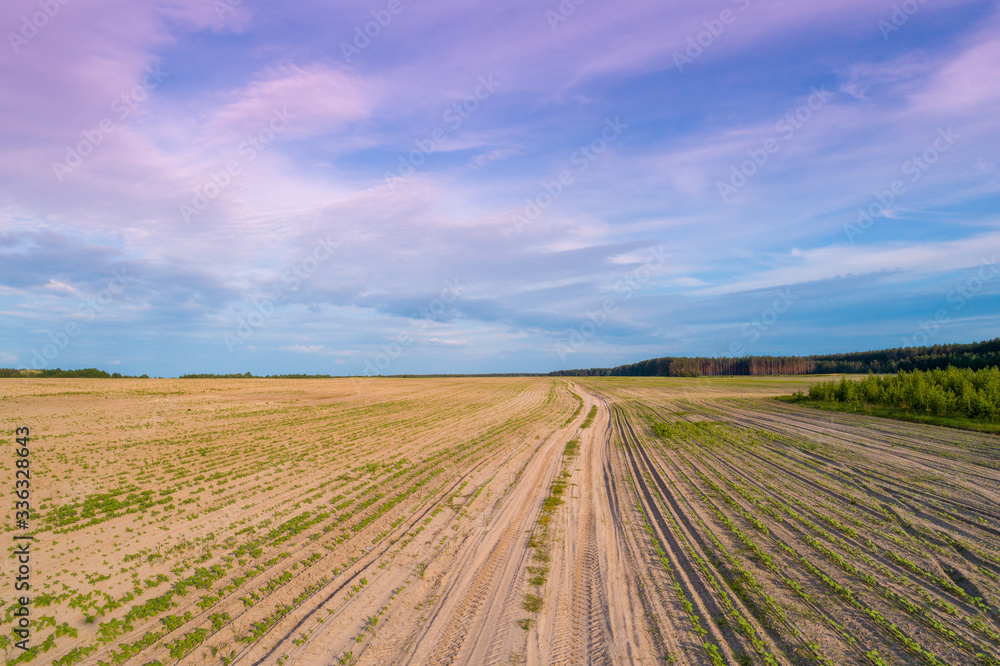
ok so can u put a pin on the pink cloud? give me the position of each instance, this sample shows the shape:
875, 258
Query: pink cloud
88, 54
317, 97
967, 84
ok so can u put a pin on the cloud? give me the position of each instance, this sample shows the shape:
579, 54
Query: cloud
864, 79
450, 343
841, 261
482, 159
320, 350
307, 349
687, 281
316, 97
62, 287
967, 84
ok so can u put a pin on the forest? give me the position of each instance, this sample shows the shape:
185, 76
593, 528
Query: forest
85, 373
975, 356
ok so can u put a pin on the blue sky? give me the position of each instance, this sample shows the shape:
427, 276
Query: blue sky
189, 186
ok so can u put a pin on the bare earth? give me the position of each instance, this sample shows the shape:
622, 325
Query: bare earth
477, 521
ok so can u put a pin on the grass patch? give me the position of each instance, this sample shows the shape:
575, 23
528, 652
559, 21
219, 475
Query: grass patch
532, 603
538, 576
590, 417
540, 538
579, 407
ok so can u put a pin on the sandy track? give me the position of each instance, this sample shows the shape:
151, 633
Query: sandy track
600, 601
475, 622
462, 627
467, 607
576, 628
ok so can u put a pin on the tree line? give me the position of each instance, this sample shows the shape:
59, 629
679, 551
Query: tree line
975, 356
84, 373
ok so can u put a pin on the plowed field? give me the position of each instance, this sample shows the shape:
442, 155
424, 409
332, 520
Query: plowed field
497, 521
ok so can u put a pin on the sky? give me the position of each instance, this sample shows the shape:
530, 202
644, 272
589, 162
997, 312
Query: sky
397, 186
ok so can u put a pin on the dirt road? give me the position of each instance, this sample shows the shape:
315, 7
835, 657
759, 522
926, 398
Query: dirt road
468, 608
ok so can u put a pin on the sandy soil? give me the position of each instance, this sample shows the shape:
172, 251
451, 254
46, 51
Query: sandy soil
373, 521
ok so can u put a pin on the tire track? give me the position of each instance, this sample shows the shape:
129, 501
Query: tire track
482, 584
499, 457
501, 562
695, 589
579, 634
717, 462
496, 654
851, 436
630, 636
